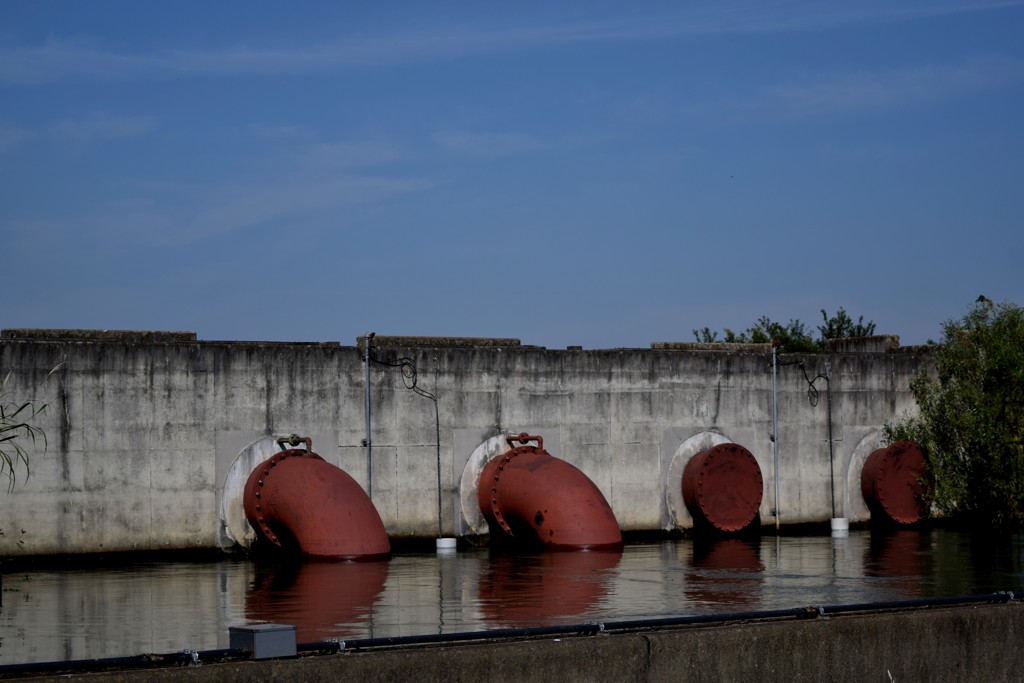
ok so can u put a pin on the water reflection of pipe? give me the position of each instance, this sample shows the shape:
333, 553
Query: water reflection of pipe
323, 599
545, 588
726, 571
903, 554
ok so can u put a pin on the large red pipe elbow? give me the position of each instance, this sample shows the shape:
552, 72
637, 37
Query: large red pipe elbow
528, 497
297, 498
891, 483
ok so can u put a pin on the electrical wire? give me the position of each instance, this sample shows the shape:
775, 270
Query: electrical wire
410, 377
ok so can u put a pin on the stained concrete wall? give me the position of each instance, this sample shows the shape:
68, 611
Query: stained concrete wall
144, 430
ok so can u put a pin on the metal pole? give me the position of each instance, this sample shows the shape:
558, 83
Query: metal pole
369, 459
831, 459
775, 431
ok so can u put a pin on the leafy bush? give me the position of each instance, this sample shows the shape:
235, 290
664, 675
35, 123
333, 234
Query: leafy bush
971, 416
793, 337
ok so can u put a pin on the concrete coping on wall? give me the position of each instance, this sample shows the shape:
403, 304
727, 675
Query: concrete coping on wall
135, 337
457, 342
884, 343
119, 336
714, 346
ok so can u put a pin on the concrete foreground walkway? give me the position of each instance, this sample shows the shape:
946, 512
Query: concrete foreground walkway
972, 642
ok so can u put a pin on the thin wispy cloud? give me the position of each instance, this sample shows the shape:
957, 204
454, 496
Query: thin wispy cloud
103, 126
491, 143
496, 143
352, 154
11, 135
280, 131
240, 208
895, 88
58, 59
879, 90
194, 216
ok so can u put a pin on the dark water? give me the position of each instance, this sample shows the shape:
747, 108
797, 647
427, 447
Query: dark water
168, 607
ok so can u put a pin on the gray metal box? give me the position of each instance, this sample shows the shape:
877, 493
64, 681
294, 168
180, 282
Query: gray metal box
263, 641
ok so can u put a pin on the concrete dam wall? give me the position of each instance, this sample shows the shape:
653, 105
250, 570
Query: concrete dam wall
148, 433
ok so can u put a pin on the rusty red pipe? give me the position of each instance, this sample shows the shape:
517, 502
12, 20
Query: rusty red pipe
891, 484
296, 497
722, 488
529, 497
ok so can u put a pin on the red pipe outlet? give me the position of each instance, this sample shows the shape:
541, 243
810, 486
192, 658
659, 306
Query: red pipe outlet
891, 483
297, 495
722, 487
528, 496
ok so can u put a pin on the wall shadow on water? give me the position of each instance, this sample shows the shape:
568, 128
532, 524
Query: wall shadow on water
547, 588
322, 598
726, 571
977, 560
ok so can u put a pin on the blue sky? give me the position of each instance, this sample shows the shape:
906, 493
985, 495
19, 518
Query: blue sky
598, 174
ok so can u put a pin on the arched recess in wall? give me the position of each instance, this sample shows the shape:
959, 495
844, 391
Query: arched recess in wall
677, 516
472, 519
232, 525
854, 505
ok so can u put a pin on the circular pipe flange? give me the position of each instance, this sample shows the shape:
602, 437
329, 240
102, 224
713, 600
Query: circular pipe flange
891, 483
723, 487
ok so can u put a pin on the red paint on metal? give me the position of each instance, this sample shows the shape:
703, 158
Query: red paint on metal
298, 494
321, 598
529, 496
524, 591
722, 487
725, 570
891, 483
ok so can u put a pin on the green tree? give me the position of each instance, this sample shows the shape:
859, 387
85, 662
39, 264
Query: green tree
970, 423
841, 325
17, 428
793, 337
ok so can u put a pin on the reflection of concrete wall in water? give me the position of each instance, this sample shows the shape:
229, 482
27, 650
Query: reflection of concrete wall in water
144, 429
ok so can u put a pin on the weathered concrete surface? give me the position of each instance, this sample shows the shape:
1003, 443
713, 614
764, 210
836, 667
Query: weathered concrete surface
976, 643
143, 428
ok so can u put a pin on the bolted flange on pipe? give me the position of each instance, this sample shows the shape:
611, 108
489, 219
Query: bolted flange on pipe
723, 488
531, 498
891, 484
297, 500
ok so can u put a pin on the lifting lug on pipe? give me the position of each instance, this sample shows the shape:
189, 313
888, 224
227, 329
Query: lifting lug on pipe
294, 440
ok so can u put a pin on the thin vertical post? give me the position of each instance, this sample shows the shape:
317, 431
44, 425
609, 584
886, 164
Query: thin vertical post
775, 429
369, 447
831, 457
